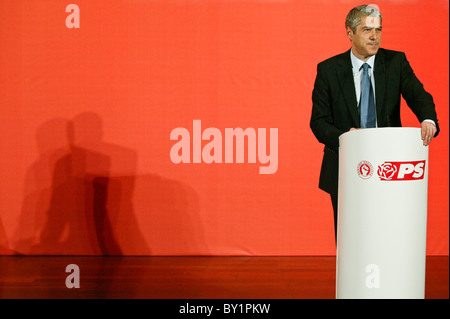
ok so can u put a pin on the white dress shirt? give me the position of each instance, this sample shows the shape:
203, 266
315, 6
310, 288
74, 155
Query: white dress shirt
357, 75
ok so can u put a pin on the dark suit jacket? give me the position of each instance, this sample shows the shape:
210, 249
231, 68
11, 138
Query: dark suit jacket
335, 108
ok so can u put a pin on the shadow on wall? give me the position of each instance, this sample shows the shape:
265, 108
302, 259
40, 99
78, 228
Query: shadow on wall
4, 247
83, 197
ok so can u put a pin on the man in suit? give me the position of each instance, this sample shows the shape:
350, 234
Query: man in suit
339, 93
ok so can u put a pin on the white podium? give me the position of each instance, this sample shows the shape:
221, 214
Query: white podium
382, 214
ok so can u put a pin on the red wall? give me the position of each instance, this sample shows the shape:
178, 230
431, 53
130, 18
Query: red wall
87, 114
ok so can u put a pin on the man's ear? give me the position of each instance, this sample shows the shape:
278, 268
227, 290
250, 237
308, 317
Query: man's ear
349, 33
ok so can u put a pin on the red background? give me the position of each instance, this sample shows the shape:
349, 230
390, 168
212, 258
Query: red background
86, 116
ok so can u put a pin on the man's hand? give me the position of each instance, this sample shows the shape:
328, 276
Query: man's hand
428, 130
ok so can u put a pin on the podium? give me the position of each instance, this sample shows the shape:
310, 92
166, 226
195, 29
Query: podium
382, 214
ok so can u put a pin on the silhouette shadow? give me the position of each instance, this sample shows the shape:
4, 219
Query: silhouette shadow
51, 142
170, 212
81, 197
73, 209
4, 246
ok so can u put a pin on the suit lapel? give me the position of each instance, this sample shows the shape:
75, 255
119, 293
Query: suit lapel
345, 75
380, 87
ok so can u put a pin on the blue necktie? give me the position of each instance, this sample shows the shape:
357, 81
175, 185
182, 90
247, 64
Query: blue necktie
367, 102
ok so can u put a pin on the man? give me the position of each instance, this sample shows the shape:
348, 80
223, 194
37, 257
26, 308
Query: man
362, 88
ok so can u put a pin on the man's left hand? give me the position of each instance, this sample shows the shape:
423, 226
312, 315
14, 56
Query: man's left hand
428, 131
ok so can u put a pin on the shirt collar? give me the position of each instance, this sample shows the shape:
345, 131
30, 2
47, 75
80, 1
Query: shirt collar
357, 63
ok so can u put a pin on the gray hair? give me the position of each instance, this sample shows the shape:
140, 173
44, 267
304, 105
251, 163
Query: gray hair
354, 16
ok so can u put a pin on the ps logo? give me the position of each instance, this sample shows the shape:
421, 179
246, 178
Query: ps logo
401, 171
73, 19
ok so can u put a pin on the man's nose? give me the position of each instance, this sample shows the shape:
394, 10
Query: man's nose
373, 34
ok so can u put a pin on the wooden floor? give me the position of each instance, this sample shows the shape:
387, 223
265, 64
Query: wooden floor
187, 277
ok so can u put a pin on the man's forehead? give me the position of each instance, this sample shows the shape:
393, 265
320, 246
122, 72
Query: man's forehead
370, 22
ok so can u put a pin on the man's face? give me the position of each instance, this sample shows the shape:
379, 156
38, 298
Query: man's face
366, 40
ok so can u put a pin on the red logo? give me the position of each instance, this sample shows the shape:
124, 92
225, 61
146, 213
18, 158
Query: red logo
365, 169
401, 171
